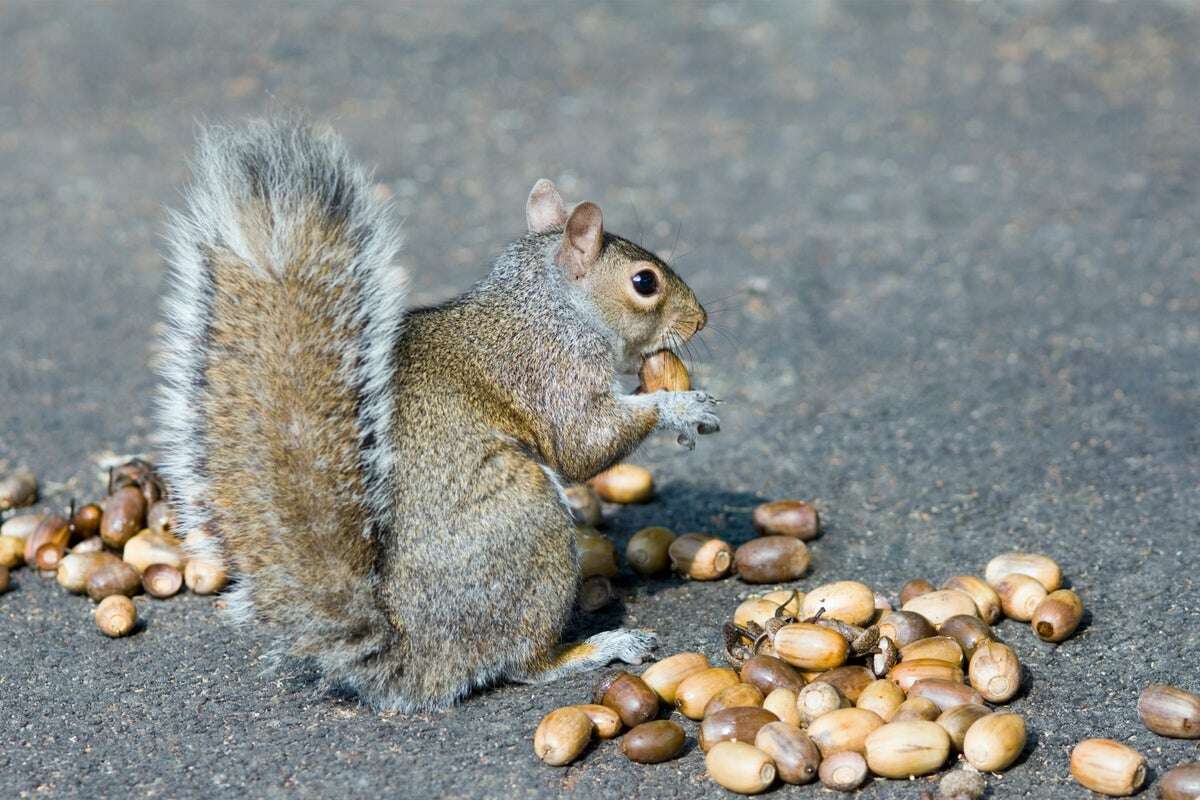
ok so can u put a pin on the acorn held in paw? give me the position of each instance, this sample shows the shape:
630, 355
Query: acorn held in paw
664, 372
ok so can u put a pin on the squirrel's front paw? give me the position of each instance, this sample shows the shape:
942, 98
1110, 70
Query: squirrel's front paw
690, 413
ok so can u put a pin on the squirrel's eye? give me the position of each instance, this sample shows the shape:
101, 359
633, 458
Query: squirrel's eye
645, 283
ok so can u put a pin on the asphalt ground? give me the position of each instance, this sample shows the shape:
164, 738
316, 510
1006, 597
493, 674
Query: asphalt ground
951, 257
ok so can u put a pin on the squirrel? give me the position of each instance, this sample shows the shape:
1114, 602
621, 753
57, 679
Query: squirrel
385, 483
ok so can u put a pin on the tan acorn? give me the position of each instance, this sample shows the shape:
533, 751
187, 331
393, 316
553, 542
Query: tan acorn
562, 735
701, 557
906, 673
663, 372
653, 742
597, 555
791, 600
754, 609
907, 749
795, 754
995, 671
606, 723
1057, 616
1170, 711
93, 544
624, 483
917, 708
665, 676
694, 692
1037, 566
116, 616
844, 729
811, 647
818, 699
21, 525
740, 767
958, 720
782, 703
160, 517
881, 696
843, 772
648, 551
75, 569
994, 742
1107, 767
787, 518
162, 580
204, 576
939, 606
1020, 596
848, 601
915, 588
943, 648
148, 548
985, 597
945, 694
740, 723
771, 559
740, 695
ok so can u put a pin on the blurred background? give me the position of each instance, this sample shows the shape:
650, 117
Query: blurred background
950, 255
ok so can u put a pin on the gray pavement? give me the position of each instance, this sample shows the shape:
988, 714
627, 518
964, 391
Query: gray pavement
952, 252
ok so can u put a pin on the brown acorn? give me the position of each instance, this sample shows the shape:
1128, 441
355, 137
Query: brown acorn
795, 754
75, 568
86, 522
769, 673
945, 694
740, 723
116, 616
665, 676
848, 679
52, 530
985, 597
162, 580
943, 648
113, 578
124, 514
663, 372
905, 627
1181, 783
1105, 766
629, 696
653, 742
1020, 596
969, 631
624, 483
740, 695
995, 671
583, 502
12, 552
787, 518
597, 554
915, 588
906, 673
1057, 616
648, 550
18, 489
701, 557
772, 559
47, 557
1170, 711
917, 708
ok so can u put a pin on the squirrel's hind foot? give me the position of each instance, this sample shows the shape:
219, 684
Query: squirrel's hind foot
629, 645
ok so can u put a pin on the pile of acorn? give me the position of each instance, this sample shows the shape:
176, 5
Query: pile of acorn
111, 550
833, 684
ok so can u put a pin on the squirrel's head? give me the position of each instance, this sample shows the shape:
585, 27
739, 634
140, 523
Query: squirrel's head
632, 293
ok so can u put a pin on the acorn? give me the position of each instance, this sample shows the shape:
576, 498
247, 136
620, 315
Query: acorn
663, 372
3, 579
1170, 711
994, 742
595, 593
795, 754
1105, 766
790, 600
939, 606
943, 648
849, 680
907, 749
665, 676
606, 722
124, 514
740, 695
562, 735
160, 517
881, 696
917, 708
112, 578
18, 489
769, 673
782, 703
204, 576
848, 601
915, 588
818, 699
787, 518
1057, 616
701, 557
985, 597
958, 720
694, 692
754, 609
1181, 783
882, 604
162, 580
148, 548
886, 656
624, 483
740, 723
843, 729
52, 530
905, 627
740, 767
1035, 565
1020, 596
584, 505
843, 772
116, 616
772, 559
75, 568
995, 671
92, 544
597, 555
810, 647
969, 631
20, 526
648, 551
945, 694
629, 696
906, 673
653, 742
47, 557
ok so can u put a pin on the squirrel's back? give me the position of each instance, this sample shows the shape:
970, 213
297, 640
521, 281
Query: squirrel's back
284, 310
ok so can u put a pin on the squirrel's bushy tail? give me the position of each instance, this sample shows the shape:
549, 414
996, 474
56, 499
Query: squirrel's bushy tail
283, 313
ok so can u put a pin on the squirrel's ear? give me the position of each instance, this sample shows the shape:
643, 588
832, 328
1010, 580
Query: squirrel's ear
582, 240
544, 210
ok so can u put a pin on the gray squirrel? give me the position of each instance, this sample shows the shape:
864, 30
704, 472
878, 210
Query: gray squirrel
385, 483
